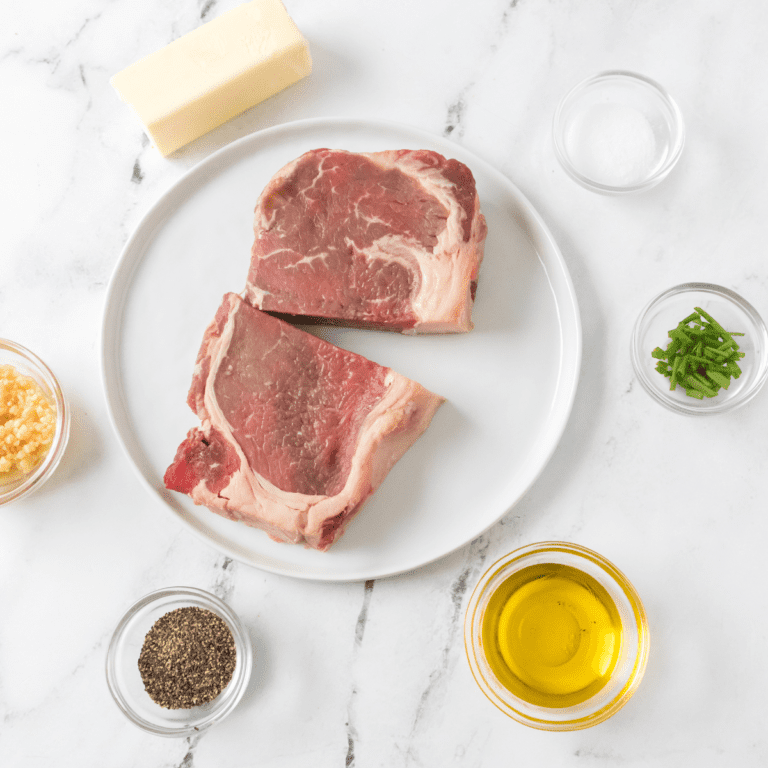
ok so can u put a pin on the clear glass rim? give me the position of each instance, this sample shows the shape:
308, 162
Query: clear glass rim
571, 718
44, 470
610, 189
230, 697
711, 407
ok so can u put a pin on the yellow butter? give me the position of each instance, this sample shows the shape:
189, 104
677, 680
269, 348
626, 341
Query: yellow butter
214, 73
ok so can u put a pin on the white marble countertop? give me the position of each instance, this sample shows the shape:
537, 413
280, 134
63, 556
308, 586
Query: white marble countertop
374, 674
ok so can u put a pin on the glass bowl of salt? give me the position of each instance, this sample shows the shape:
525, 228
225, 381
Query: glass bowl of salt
618, 132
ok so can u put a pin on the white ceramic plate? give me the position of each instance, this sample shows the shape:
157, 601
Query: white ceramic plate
509, 383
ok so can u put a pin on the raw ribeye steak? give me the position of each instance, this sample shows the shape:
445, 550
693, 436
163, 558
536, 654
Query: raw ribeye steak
384, 239
296, 433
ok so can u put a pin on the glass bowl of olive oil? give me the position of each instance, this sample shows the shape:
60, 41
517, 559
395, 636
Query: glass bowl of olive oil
556, 636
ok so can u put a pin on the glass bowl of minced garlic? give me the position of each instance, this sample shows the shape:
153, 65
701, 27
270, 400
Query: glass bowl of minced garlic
34, 422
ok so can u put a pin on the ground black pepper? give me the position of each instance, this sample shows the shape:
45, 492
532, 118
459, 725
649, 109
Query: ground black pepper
187, 659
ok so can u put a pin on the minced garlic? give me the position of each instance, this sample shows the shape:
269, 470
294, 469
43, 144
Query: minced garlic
27, 421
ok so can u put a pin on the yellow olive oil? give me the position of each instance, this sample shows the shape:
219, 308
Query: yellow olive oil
552, 635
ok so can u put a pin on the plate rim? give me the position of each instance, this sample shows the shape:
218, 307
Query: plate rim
152, 218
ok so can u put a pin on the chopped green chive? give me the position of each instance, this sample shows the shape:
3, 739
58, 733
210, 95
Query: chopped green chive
719, 378
701, 356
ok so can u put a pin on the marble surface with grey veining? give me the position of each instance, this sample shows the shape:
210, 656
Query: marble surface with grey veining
372, 674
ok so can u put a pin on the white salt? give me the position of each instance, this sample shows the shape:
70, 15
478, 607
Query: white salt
612, 144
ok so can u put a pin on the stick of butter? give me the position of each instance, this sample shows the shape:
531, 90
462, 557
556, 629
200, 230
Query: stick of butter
214, 73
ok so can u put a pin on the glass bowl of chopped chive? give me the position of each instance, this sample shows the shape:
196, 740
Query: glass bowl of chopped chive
178, 662
34, 422
700, 348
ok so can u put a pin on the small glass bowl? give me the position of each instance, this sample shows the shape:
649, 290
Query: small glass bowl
618, 132
15, 486
124, 679
633, 655
664, 312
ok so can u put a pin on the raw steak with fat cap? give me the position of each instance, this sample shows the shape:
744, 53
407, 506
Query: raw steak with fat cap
384, 239
296, 433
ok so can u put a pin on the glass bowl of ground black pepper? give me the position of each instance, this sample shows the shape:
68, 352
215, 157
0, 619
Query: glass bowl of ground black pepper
700, 348
179, 661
